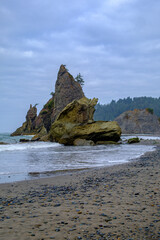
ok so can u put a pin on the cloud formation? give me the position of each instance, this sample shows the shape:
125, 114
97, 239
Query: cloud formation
114, 44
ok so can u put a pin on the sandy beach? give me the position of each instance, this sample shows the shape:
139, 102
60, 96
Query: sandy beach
119, 202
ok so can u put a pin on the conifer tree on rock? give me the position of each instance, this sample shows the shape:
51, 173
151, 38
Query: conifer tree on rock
79, 79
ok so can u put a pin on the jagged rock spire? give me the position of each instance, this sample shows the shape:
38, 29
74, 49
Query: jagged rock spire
66, 90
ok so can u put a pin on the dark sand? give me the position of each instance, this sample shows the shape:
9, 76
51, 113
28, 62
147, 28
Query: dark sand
120, 202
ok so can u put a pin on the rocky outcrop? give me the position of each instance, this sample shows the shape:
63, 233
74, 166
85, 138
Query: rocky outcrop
139, 121
66, 90
40, 134
133, 140
29, 126
44, 118
79, 111
76, 122
67, 117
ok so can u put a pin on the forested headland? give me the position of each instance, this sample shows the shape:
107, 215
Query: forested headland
108, 112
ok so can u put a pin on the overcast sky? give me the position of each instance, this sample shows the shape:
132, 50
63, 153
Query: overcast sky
114, 44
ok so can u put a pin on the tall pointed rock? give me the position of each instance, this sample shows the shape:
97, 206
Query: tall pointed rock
28, 127
66, 90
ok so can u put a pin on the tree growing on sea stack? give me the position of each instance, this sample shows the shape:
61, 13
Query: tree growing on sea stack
52, 94
79, 79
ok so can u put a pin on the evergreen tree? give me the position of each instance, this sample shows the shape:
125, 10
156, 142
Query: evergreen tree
52, 94
79, 79
110, 111
35, 105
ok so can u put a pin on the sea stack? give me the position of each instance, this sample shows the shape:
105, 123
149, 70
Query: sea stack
139, 121
67, 118
28, 127
66, 90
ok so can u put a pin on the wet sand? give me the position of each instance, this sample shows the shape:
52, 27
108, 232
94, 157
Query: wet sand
119, 202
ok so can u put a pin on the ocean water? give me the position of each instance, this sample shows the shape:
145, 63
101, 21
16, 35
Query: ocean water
31, 160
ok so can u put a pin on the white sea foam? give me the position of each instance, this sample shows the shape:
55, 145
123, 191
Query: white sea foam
10, 173
27, 146
17, 160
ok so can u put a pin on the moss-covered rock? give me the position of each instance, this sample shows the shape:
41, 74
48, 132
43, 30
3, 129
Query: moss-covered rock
19, 131
133, 140
76, 122
78, 111
39, 135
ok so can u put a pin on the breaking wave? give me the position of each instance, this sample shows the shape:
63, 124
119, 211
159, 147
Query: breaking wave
27, 146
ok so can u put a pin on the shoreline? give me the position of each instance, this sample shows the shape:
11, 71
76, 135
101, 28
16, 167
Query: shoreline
115, 202
36, 175
70, 172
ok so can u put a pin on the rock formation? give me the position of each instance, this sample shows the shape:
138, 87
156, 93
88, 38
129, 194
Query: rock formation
66, 90
28, 127
44, 118
133, 140
139, 121
75, 123
68, 117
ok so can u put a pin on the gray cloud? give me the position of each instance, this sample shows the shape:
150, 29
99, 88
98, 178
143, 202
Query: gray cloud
114, 44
